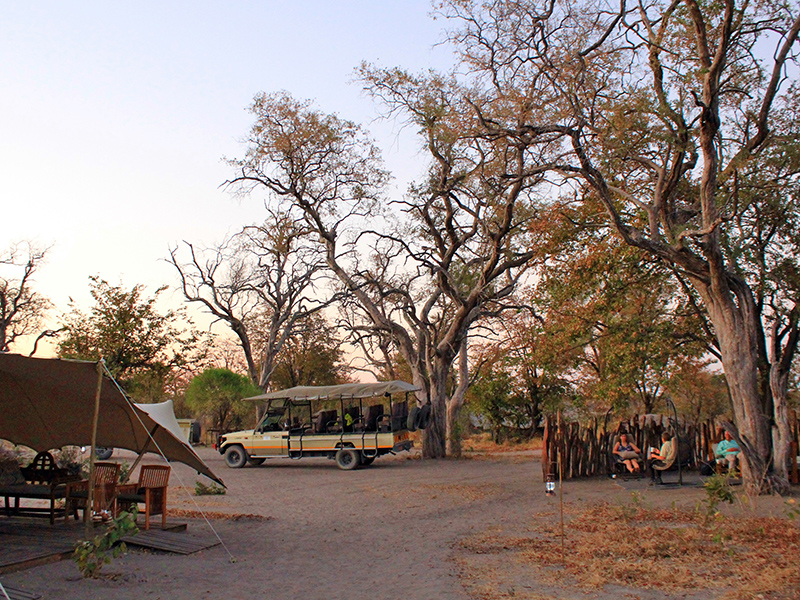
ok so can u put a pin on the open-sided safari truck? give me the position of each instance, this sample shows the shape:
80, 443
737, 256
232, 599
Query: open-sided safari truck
352, 423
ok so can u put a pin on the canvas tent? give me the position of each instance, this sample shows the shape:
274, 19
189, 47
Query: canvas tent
50, 403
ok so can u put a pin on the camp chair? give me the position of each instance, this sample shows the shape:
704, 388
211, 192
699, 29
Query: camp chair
106, 476
332, 423
151, 490
617, 462
374, 413
399, 415
722, 468
683, 458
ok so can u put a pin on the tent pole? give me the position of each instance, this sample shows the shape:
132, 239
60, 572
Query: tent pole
141, 455
87, 513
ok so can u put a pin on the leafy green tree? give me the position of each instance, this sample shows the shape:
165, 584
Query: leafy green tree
218, 394
616, 327
491, 397
699, 393
540, 368
142, 346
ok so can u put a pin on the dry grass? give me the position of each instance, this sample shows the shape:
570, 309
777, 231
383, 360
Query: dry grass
211, 516
482, 442
463, 493
672, 551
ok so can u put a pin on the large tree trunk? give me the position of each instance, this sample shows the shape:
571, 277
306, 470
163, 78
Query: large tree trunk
455, 403
781, 358
737, 330
434, 437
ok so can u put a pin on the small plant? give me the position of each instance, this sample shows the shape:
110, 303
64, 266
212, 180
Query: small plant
201, 489
629, 511
717, 491
791, 509
91, 555
124, 471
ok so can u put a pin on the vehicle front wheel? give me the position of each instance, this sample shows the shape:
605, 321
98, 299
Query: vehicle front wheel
235, 457
348, 458
256, 461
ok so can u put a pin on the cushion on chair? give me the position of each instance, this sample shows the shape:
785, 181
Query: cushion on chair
628, 455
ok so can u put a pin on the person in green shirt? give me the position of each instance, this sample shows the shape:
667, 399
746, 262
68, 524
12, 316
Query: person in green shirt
727, 452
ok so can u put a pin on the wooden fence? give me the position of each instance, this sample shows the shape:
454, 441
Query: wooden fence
585, 450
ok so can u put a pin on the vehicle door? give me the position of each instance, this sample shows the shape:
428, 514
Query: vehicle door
269, 437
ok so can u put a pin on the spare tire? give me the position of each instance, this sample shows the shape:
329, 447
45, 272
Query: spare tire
194, 435
423, 417
411, 421
103, 453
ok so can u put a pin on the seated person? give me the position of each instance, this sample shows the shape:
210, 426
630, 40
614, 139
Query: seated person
661, 457
727, 452
628, 453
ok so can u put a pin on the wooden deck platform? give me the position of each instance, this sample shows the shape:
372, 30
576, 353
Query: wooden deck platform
27, 543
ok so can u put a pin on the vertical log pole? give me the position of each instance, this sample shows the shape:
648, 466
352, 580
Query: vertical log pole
87, 513
546, 449
561, 499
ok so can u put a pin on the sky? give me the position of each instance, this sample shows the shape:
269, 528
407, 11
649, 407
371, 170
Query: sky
116, 117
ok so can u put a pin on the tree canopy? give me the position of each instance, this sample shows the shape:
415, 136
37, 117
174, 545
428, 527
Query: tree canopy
218, 394
680, 119
140, 344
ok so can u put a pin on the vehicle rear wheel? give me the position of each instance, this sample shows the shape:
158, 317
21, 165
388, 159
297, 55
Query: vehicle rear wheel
235, 457
256, 461
348, 458
367, 460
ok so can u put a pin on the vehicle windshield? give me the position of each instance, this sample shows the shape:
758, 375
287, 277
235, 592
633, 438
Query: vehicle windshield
274, 417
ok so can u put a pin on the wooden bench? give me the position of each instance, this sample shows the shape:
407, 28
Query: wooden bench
44, 480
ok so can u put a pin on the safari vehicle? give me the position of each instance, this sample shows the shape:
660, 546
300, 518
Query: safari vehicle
353, 423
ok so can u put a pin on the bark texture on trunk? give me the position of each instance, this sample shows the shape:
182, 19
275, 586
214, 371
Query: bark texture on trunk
456, 402
434, 437
737, 327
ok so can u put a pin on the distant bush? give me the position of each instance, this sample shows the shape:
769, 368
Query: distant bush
201, 489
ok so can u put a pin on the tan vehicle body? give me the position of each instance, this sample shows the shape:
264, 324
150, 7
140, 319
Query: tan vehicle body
275, 444
330, 421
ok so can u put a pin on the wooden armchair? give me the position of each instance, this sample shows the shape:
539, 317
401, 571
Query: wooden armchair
150, 491
106, 477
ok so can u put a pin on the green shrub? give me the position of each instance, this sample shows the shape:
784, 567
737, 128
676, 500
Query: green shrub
201, 489
91, 555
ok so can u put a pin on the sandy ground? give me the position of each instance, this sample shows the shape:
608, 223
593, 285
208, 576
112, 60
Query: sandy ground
389, 531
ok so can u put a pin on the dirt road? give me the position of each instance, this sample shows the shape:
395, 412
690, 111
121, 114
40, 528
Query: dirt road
390, 531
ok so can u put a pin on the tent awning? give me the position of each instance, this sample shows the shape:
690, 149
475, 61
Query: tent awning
335, 392
49, 403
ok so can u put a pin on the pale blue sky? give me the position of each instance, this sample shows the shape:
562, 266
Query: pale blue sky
114, 116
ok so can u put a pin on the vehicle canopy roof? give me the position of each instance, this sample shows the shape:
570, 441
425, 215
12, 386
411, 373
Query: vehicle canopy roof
335, 392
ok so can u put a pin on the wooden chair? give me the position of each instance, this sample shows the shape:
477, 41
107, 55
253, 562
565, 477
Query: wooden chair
106, 477
151, 490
